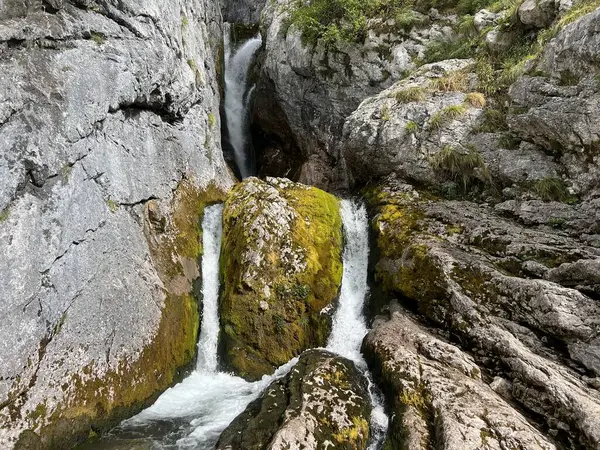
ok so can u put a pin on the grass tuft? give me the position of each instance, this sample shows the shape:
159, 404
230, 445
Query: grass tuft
411, 94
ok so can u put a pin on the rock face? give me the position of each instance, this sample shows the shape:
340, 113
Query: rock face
305, 91
504, 293
242, 12
438, 393
323, 402
282, 267
402, 129
565, 85
109, 143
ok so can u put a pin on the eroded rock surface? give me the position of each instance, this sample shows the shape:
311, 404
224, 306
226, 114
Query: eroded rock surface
282, 270
505, 293
108, 146
323, 402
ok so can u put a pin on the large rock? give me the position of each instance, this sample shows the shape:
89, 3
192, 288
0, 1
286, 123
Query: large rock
506, 294
243, 12
323, 402
565, 85
109, 140
402, 128
282, 269
305, 90
437, 393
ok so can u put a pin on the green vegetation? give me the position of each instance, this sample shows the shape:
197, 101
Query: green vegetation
184, 21
411, 127
454, 81
4, 215
476, 99
464, 167
384, 113
212, 120
411, 94
112, 205
551, 189
192, 64
446, 115
97, 37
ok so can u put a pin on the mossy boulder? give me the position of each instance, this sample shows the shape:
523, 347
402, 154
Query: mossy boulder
281, 268
323, 402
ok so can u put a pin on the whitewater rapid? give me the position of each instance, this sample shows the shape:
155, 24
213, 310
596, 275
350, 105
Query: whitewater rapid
238, 96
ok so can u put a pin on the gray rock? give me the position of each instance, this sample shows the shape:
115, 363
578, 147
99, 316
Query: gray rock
485, 18
537, 13
244, 12
437, 394
468, 271
101, 111
322, 402
394, 132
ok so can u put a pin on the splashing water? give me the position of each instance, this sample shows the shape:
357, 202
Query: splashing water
349, 325
237, 99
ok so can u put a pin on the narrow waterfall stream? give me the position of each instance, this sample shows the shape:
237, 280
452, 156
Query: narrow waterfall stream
349, 324
193, 414
237, 99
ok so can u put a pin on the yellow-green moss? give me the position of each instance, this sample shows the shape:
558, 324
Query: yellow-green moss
256, 339
103, 401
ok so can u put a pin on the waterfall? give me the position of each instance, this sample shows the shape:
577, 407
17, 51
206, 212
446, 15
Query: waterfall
349, 325
238, 97
194, 413
212, 230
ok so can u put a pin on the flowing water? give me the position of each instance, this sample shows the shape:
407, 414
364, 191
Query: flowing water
349, 324
192, 414
237, 98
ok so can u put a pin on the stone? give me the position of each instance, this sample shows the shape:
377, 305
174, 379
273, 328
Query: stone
323, 402
282, 245
485, 18
537, 13
106, 154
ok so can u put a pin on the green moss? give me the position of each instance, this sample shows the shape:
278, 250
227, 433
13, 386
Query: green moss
257, 339
4, 215
211, 120
112, 205
192, 65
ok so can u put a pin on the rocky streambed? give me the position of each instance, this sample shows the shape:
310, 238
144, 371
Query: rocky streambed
469, 132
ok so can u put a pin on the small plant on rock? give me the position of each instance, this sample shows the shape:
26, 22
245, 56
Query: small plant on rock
411, 94
476, 99
551, 189
446, 115
411, 127
464, 166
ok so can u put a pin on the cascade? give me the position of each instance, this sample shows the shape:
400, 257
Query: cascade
349, 324
193, 414
238, 96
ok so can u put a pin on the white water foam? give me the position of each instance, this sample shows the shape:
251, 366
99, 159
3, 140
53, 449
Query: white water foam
238, 96
349, 325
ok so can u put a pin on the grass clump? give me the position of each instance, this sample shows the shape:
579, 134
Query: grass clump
551, 189
411, 127
385, 114
457, 81
411, 94
4, 215
97, 37
464, 167
476, 99
446, 115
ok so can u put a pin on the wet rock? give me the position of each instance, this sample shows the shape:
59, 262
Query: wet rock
462, 267
101, 112
243, 12
323, 402
437, 394
282, 245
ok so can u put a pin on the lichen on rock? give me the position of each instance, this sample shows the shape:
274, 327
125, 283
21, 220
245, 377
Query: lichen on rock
322, 403
281, 266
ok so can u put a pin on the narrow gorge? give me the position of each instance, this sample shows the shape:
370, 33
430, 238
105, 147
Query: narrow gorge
292, 224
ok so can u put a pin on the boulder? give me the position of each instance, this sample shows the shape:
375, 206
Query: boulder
281, 265
537, 13
323, 402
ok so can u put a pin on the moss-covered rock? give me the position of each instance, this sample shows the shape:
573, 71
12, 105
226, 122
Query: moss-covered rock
323, 402
281, 267
97, 401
